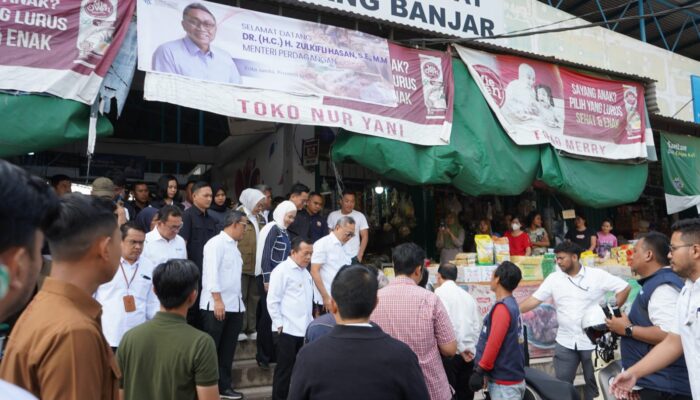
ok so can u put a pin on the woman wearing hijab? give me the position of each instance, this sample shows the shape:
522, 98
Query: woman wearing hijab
220, 204
450, 239
145, 218
273, 247
252, 203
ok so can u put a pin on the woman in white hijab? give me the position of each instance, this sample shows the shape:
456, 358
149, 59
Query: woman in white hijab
273, 247
252, 203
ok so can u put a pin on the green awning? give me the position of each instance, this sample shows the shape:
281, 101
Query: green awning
481, 158
33, 123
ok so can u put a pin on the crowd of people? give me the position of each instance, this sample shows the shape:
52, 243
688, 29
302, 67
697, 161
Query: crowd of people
147, 298
526, 236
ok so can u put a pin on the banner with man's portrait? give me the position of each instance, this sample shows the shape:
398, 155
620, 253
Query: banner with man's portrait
538, 102
253, 65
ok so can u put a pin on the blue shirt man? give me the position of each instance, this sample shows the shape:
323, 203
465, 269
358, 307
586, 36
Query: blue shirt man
193, 55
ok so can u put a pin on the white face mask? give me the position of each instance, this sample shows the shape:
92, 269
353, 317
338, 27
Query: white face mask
515, 227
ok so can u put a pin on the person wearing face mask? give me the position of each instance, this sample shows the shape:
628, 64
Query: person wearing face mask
252, 203
273, 247
518, 240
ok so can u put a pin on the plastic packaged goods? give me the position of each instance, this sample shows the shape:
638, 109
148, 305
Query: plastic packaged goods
501, 249
484, 249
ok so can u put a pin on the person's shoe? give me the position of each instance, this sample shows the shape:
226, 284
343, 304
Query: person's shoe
242, 337
262, 363
230, 394
253, 336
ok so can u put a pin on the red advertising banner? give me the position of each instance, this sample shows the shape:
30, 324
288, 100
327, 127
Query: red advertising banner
538, 102
60, 47
279, 69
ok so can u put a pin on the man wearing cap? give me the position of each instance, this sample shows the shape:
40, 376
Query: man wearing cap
104, 188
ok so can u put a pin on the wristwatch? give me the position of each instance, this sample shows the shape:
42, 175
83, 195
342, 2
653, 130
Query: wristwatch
628, 330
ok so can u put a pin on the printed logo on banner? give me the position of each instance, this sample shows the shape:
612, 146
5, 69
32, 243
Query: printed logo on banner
538, 102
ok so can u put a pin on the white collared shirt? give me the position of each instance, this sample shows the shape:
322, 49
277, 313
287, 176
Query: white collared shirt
115, 320
688, 327
159, 249
331, 254
289, 298
222, 267
662, 306
352, 247
464, 315
573, 296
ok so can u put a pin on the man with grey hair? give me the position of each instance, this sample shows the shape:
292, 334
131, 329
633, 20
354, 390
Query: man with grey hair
267, 191
328, 257
222, 301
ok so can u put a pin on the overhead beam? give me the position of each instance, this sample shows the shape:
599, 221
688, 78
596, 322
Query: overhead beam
153, 151
668, 5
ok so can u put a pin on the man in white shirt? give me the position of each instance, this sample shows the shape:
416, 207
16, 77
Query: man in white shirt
289, 301
128, 299
574, 289
222, 299
651, 317
683, 338
329, 256
358, 243
466, 322
163, 243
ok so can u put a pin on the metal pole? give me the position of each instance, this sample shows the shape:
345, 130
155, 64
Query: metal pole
642, 25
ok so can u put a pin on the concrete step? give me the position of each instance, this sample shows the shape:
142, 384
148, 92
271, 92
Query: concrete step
245, 350
257, 393
247, 374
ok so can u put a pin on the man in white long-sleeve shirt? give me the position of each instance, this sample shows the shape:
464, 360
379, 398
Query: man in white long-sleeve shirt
222, 301
466, 322
163, 243
289, 301
128, 299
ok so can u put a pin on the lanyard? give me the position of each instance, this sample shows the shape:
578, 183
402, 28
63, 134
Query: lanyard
129, 281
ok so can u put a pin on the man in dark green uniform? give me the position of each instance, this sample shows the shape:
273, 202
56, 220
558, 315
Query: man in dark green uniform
165, 358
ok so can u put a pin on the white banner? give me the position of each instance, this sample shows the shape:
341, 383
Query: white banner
460, 18
258, 66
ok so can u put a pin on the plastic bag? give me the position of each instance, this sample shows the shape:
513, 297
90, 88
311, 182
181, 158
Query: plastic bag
484, 249
502, 249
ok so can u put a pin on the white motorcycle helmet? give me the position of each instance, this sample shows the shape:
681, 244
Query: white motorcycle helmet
593, 323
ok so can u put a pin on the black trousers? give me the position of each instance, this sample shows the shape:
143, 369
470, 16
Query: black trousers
458, 373
651, 394
266, 348
194, 313
287, 348
225, 334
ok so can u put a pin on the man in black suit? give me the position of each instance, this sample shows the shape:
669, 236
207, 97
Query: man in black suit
356, 360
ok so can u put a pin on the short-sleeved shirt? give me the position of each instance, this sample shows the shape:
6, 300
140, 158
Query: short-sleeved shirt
331, 254
57, 350
581, 238
573, 296
417, 317
197, 228
518, 244
183, 57
166, 359
688, 327
352, 247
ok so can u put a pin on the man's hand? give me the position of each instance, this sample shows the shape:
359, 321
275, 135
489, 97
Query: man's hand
477, 381
622, 385
219, 310
618, 325
360, 256
327, 303
267, 286
467, 356
279, 330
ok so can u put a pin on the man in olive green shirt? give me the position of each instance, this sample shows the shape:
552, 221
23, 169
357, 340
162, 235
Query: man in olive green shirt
165, 358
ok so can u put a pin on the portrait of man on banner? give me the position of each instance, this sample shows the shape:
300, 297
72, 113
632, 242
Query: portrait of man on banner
194, 55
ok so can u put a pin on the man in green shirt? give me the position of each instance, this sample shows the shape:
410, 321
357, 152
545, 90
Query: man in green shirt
165, 358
